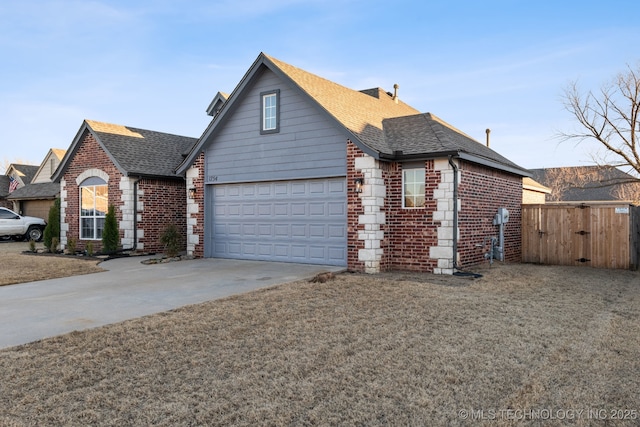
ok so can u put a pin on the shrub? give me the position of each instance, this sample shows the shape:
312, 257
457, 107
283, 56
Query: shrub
71, 246
110, 234
52, 230
171, 240
54, 245
32, 246
89, 248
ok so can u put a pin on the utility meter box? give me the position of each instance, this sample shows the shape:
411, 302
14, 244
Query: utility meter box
502, 217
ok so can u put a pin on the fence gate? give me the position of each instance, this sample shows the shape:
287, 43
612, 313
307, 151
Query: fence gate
603, 236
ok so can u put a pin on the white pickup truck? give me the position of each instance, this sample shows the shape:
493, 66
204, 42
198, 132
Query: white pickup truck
20, 227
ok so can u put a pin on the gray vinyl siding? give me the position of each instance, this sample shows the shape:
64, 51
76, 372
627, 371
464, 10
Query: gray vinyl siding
308, 145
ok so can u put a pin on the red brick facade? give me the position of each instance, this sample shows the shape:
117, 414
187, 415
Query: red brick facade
164, 202
89, 156
482, 191
409, 233
161, 202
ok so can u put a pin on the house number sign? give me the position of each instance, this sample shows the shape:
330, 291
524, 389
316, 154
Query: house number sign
212, 178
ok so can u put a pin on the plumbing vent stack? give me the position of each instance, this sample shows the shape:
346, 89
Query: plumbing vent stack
488, 132
395, 92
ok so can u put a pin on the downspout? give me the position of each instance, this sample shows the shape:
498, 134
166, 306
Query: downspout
455, 212
455, 225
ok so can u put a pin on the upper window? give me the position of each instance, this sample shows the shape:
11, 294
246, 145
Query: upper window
270, 111
94, 201
413, 188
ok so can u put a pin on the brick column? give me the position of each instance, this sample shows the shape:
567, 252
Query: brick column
443, 252
372, 199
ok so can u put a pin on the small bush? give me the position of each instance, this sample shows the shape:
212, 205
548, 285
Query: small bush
54, 245
171, 240
52, 230
89, 248
110, 234
32, 246
71, 246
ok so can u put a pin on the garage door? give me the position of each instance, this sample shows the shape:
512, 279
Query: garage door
289, 221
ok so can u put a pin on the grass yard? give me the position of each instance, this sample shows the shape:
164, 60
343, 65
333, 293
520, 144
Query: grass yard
16, 267
518, 346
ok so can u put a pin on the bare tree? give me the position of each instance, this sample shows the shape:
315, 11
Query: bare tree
609, 117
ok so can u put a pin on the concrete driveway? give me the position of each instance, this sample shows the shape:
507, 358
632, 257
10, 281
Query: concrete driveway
130, 289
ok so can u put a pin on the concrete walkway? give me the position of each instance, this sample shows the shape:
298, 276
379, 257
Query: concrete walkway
130, 289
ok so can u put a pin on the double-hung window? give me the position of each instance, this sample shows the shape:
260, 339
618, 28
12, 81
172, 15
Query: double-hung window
94, 201
413, 188
270, 107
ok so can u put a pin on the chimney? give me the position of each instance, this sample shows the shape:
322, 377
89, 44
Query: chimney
395, 92
488, 132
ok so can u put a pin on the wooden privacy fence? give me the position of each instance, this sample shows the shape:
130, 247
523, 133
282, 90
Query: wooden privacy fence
603, 236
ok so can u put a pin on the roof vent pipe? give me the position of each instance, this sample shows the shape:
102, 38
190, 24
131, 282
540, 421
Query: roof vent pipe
395, 92
488, 132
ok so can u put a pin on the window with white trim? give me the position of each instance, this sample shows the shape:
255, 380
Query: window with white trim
94, 203
413, 188
270, 107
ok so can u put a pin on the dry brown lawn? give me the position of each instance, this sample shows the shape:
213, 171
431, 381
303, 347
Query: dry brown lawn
523, 345
16, 267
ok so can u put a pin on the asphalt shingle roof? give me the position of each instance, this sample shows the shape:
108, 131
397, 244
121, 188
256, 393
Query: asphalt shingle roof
43, 190
140, 151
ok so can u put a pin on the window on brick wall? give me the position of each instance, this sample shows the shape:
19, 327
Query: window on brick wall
413, 188
94, 202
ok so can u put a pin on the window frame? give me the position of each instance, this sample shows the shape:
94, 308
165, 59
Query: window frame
263, 112
414, 182
96, 217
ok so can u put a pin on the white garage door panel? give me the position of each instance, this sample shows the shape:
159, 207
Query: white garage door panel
291, 221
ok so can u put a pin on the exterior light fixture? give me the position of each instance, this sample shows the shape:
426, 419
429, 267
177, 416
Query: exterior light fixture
358, 182
192, 192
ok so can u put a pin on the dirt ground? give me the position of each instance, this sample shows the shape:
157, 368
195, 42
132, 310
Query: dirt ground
16, 267
522, 345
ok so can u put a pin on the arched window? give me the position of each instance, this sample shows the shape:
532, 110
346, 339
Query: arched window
94, 202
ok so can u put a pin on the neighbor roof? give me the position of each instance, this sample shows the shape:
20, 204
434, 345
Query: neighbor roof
26, 172
586, 183
44, 190
134, 151
373, 118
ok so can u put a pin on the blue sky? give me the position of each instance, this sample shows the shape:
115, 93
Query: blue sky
498, 64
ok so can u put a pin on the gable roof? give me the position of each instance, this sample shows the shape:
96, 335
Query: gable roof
364, 115
25, 172
134, 151
588, 183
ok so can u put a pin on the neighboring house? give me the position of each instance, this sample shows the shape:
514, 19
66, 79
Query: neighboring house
4, 192
588, 184
533, 193
17, 176
129, 168
38, 195
296, 168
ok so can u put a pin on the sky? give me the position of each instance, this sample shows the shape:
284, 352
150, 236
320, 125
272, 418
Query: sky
157, 64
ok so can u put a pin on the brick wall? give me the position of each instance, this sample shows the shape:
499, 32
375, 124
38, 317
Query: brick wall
354, 210
88, 156
410, 233
164, 203
482, 191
